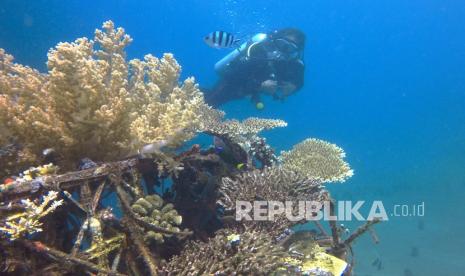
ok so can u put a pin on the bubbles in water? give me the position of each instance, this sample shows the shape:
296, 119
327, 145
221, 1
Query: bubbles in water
245, 19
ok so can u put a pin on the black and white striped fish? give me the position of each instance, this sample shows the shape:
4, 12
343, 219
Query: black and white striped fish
220, 39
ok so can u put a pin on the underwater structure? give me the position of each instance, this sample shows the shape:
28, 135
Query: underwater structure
95, 179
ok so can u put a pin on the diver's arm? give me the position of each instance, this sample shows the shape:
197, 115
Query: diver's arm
290, 75
296, 74
221, 93
244, 78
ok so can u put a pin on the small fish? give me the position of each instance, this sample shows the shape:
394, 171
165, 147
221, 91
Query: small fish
378, 264
286, 233
414, 252
408, 272
155, 147
47, 151
218, 144
234, 239
220, 39
421, 225
49, 155
86, 163
240, 166
36, 184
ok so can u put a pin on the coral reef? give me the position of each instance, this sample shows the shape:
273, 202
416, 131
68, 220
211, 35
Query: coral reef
317, 159
13, 158
313, 258
243, 133
36, 172
230, 253
272, 183
28, 221
269, 184
93, 103
121, 123
236, 130
263, 152
153, 210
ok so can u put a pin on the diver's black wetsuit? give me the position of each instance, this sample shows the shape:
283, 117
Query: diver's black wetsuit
246, 73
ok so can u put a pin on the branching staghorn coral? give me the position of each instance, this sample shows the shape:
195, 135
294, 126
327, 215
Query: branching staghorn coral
166, 111
262, 152
93, 103
24, 114
28, 222
230, 253
99, 250
317, 159
269, 184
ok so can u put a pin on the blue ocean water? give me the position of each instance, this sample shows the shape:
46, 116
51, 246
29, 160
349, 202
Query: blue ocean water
385, 80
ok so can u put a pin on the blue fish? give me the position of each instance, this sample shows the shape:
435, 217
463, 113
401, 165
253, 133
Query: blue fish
218, 144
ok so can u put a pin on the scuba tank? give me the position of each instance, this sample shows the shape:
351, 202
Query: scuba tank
222, 65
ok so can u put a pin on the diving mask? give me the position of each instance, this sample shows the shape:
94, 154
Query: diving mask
286, 49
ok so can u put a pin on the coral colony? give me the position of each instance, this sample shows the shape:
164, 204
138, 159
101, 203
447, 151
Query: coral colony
95, 179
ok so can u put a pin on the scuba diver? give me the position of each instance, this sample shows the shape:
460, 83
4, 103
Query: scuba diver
268, 63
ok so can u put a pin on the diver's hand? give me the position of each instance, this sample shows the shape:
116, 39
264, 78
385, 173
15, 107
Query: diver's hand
269, 86
287, 88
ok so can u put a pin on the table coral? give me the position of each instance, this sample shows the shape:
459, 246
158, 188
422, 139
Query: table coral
93, 103
243, 133
319, 160
236, 129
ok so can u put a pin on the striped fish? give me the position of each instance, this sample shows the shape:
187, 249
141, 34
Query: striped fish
220, 39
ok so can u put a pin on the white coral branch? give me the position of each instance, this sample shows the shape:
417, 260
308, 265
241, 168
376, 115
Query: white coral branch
28, 222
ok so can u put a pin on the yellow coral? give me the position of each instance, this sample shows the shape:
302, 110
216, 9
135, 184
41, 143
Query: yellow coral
105, 247
28, 222
324, 264
93, 103
164, 110
32, 173
317, 159
24, 106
